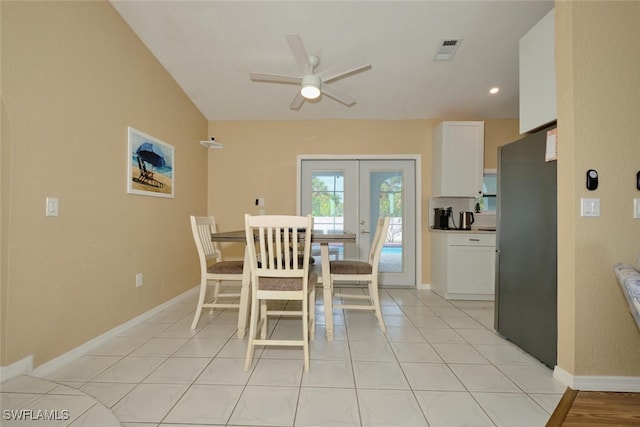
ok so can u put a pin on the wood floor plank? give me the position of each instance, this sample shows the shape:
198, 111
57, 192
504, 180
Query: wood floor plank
560, 413
596, 408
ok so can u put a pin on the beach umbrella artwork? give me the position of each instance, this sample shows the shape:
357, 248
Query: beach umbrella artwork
151, 154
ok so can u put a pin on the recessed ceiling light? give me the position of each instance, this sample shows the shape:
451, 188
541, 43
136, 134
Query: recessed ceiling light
494, 90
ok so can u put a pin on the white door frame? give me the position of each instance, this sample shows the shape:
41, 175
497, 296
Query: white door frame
417, 158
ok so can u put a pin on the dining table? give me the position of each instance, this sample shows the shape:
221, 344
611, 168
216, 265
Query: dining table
319, 236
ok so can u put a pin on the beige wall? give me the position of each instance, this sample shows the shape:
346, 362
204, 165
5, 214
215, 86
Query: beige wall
74, 76
598, 127
259, 160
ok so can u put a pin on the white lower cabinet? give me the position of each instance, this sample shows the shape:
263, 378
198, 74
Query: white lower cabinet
463, 265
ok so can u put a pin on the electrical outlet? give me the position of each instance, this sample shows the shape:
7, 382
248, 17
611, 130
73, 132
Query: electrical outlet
636, 208
263, 212
138, 280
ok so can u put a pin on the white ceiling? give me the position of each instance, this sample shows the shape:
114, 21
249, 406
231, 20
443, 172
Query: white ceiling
210, 47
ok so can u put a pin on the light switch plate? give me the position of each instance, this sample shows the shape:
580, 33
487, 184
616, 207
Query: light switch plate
636, 208
589, 207
51, 206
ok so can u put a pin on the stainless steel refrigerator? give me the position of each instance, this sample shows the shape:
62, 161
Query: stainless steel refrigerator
526, 248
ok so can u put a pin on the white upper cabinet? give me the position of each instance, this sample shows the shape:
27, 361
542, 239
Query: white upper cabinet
538, 106
458, 159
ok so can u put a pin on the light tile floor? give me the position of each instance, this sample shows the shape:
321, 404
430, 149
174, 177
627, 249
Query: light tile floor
440, 364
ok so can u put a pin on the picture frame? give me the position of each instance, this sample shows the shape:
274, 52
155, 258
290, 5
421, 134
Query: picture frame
150, 165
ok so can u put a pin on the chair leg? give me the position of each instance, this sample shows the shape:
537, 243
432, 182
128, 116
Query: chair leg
253, 324
203, 293
216, 291
305, 333
264, 319
312, 314
245, 301
373, 293
327, 297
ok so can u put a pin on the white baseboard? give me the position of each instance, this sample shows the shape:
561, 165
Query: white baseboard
424, 286
21, 367
25, 366
597, 383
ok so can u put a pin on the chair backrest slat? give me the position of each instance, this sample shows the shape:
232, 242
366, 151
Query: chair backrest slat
279, 238
202, 227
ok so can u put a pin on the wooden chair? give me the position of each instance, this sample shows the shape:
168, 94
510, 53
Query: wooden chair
279, 251
344, 270
213, 270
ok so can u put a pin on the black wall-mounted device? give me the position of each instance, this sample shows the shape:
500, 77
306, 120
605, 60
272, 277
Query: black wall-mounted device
638, 180
592, 179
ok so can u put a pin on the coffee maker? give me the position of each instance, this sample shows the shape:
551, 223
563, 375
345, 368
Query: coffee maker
441, 218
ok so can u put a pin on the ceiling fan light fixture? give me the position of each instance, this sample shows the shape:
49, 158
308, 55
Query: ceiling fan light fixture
310, 87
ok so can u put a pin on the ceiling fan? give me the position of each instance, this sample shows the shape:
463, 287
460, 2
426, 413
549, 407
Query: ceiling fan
312, 84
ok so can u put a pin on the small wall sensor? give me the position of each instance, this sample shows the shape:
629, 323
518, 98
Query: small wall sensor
638, 180
592, 179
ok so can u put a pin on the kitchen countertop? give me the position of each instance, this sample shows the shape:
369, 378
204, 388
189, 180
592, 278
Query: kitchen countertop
479, 230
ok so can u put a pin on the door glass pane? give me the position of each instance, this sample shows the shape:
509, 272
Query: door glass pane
389, 188
327, 208
343, 194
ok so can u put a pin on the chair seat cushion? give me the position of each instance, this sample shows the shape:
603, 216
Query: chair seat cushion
286, 283
226, 267
350, 267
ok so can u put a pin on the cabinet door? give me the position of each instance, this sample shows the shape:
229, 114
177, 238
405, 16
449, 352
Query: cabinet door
472, 269
538, 105
458, 157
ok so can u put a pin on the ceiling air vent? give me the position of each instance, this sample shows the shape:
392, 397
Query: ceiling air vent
447, 49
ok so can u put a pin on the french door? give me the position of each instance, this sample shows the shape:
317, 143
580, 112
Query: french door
351, 194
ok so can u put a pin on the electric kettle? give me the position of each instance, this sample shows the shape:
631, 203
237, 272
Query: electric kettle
466, 219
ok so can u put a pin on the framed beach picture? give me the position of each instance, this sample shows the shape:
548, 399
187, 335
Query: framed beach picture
150, 165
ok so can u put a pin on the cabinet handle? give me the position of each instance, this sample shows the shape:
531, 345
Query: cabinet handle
474, 240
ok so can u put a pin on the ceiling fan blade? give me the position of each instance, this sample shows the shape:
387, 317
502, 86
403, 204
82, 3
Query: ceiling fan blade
338, 72
276, 78
338, 95
299, 53
297, 102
